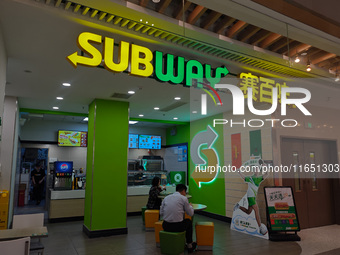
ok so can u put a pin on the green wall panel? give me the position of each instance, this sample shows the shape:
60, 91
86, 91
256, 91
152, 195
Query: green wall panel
255, 143
211, 194
107, 165
182, 135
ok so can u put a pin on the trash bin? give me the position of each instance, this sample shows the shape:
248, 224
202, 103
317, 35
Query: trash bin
3, 208
21, 198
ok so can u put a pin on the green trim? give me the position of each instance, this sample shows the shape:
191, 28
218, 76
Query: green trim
161, 121
53, 112
86, 115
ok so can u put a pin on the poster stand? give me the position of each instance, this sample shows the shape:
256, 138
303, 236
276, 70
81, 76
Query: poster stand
282, 218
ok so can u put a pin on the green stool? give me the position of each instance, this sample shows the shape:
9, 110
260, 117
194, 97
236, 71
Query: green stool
172, 243
143, 213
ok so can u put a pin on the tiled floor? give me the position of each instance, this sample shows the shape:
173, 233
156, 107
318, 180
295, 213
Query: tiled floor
68, 239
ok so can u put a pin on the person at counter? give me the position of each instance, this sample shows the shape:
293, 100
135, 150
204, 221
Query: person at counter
139, 178
172, 211
154, 202
38, 177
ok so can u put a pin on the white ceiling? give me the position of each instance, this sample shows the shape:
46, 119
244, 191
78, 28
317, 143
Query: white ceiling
38, 38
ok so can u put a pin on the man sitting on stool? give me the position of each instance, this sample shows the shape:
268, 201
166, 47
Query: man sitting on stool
172, 211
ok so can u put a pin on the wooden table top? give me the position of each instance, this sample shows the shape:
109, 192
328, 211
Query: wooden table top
23, 232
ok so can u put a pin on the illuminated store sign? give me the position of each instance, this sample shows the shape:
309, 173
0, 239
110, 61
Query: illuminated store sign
140, 61
262, 87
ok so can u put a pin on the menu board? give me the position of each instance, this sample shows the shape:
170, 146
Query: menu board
149, 142
133, 141
281, 209
72, 138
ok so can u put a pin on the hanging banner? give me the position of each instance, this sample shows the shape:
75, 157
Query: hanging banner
236, 159
255, 143
281, 209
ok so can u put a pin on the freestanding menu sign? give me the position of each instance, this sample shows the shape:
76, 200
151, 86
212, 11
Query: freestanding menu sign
281, 210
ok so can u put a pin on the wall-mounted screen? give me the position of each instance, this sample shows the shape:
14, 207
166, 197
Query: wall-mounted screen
63, 168
72, 138
150, 142
133, 141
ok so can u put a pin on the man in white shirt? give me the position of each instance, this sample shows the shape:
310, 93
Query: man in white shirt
172, 211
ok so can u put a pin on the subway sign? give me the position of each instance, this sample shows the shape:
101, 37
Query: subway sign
140, 61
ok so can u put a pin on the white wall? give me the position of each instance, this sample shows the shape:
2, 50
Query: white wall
75, 154
47, 130
8, 133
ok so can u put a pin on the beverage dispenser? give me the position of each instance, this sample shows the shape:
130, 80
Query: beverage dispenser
62, 175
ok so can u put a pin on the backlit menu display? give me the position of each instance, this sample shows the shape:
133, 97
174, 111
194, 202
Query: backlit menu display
72, 138
150, 142
133, 141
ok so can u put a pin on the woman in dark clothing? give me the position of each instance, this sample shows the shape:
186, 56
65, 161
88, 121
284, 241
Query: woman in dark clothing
154, 202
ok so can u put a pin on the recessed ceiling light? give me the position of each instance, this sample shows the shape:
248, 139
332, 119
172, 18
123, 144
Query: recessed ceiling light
140, 20
156, 1
194, 111
131, 92
66, 84
175, 118
152, 25
60, 98
55, 107
86, 119
156, 108
132, 122
304, 54
177, 98
141, 115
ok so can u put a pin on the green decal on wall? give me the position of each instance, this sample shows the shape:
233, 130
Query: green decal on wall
255, 143
207, 142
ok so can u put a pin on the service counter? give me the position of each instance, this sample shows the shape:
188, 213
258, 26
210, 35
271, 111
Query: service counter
66, 204
137, 197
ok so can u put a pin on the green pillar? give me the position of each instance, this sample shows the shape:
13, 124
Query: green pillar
106, 168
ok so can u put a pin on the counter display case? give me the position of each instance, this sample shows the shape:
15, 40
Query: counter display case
142, 178
139, 184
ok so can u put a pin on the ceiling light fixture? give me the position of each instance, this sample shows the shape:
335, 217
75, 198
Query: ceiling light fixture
66, 84
156, 108
132, 122
55, 107
86, 119
308, 69
156, 1
131, 92
60, 98
141, 115
175, 118
297, 59
177, 98
194, 111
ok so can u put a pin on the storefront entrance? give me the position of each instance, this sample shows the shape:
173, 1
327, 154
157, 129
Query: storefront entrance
314, 195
